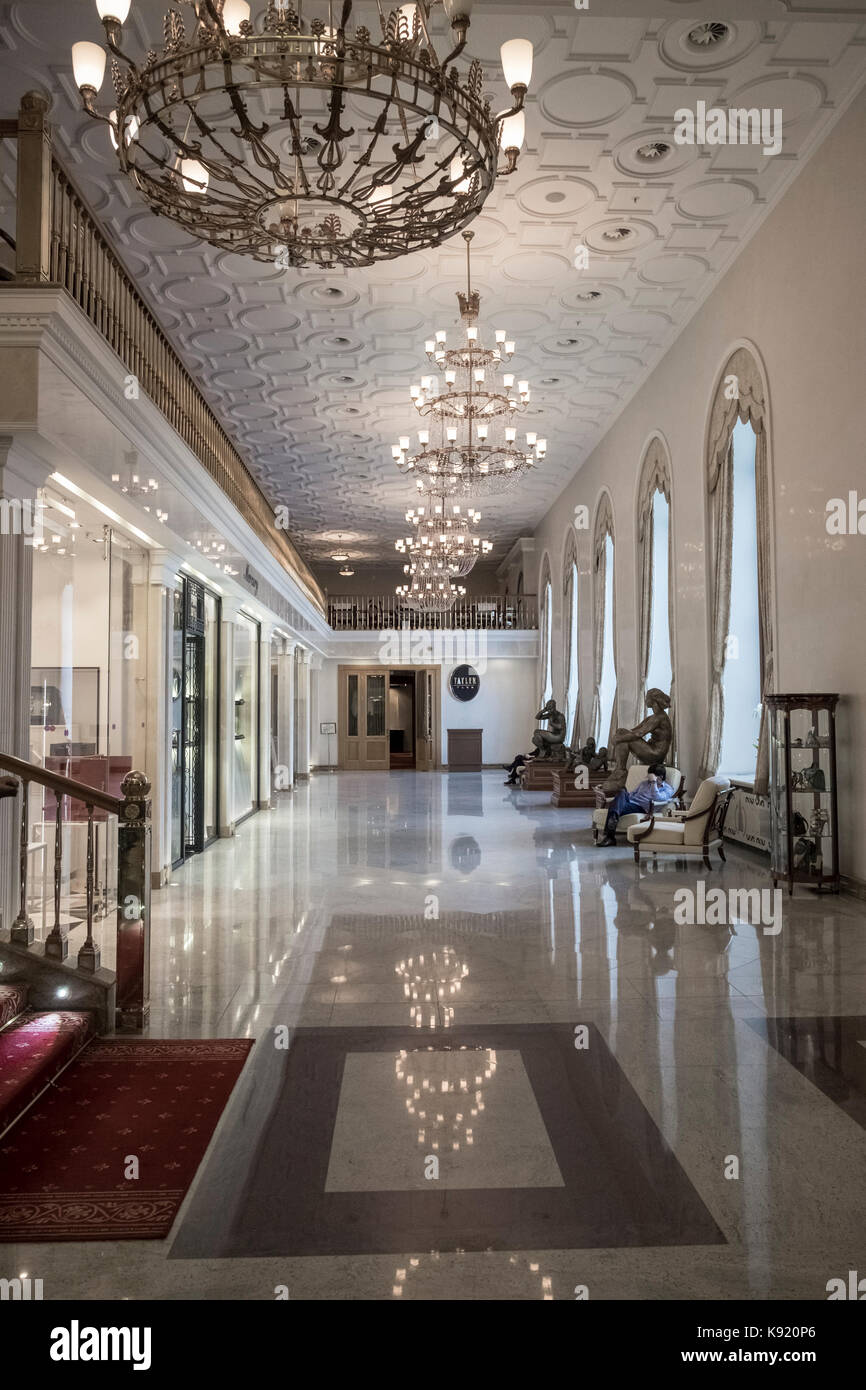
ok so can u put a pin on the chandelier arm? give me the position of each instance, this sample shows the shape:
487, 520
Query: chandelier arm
291, 115
234, 161
248, 130
112, 35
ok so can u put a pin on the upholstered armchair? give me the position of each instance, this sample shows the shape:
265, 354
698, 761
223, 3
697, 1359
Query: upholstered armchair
687, 833
635, 775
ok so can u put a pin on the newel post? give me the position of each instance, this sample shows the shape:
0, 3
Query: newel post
133, 905
33, 225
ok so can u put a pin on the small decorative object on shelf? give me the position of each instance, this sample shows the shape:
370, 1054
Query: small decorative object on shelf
803, 812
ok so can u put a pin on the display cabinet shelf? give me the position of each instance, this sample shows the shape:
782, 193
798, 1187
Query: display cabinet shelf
804, 823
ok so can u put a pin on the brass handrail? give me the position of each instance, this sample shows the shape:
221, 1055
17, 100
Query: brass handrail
62, 786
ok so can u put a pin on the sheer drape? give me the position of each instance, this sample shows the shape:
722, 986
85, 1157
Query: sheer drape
603, 529
655, 477
545, 617
740, 395
569, 600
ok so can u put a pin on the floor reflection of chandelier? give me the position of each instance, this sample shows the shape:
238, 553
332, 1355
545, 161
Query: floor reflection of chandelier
307, 139
443, 542
473, 405
425, 977
446, 1093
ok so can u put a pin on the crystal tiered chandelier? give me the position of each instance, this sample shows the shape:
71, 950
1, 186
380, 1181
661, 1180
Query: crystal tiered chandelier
473, 404
444, 541
308, 141
429, 593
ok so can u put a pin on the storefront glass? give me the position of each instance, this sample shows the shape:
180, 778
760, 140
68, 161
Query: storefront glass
194, 695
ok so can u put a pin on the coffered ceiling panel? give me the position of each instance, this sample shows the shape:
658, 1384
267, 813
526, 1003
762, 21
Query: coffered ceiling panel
310, 371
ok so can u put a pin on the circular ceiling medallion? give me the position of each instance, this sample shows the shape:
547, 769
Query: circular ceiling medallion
158, 232
327, 293
652, 154
673, 269
555, 197
269, 318
243, 268
636, 323
586, 98
691, 45
215, 341
252, 411
615, 364
295, 396
619, 236
591, 294
284, 362
715, 198
535, 267
567, 344
237, 380
795, 97
395, 319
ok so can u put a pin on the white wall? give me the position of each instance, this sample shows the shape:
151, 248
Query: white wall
797, 294
504, 707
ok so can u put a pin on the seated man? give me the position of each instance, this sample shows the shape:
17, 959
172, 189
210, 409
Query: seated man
514, 769
654, 790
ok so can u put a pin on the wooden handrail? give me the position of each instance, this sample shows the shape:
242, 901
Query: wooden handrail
64, 786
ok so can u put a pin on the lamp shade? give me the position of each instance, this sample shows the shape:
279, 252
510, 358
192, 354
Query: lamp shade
517, 62
514, 132
234, 14
88, 64
458, 9
194, 176
114, 9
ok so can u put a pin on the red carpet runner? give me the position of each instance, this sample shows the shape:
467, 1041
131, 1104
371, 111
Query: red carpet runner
62, 1166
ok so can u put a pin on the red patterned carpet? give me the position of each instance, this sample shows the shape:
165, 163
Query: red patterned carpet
62, 1166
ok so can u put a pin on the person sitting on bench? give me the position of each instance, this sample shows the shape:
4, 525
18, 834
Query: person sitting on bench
652, 791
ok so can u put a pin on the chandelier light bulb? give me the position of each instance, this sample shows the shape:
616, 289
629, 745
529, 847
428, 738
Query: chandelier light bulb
461, 182
450, 377
383, 194
430, 347
130, 131
508, 380
396, 452
194, 176
458, 9
441, 335
234, 14
532, 439
119, 9
510, 434
88, 65
513, 131
404, 442
511, 348
516, 57
472, 334
483, 431
452, 435
501, 335
523, 387
424, 437
479, 376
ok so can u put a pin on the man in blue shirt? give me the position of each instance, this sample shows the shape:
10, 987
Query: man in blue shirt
653, 791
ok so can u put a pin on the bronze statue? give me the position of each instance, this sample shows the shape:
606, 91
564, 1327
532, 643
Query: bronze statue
651, 749
550, 742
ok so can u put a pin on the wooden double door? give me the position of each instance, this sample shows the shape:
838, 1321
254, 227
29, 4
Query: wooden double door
364, 729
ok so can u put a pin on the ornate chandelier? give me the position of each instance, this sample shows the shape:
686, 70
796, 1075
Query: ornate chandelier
444, 540
307, 142
429, 593
472, 443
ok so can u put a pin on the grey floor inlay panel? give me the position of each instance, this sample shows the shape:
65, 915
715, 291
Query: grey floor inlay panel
264, 1192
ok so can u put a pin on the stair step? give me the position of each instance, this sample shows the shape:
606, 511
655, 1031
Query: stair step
33, 1052
13, 1001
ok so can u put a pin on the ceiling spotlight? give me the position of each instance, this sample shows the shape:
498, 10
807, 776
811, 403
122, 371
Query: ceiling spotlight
346, 571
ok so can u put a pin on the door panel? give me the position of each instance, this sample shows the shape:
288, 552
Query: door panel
364, 742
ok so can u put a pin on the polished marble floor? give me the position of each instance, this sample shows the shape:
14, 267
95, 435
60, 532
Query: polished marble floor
436, 967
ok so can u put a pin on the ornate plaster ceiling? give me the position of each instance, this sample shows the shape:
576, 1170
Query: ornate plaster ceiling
310, 373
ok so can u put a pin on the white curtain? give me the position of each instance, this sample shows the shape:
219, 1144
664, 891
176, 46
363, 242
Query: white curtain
603, 529
655, 477
739, 395
569, 601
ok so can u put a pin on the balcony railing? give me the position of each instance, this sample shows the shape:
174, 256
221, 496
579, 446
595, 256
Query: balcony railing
59, 242
361, 613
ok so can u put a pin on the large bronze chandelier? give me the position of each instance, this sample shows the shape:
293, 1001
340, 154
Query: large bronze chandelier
308, 142
473, 405
444, 540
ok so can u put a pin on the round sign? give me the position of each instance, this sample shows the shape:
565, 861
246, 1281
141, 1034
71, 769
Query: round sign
465, 683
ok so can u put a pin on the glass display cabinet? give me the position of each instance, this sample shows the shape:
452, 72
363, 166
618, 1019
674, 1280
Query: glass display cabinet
804, 826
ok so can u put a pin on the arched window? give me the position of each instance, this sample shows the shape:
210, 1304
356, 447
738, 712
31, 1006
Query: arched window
546, 636
740, 559
656, 596
571, 632
604, 621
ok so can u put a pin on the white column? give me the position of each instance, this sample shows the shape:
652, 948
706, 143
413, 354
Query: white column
164, 579
21, 475
302, 709
286, 714
228, 613
265, 780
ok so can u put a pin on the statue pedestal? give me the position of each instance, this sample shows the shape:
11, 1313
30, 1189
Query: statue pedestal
538, 777
565, 793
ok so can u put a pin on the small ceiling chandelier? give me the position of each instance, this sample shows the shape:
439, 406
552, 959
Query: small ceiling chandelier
306, 142
472, 445
429, 593
444, 541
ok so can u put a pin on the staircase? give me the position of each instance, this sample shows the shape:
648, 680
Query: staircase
35, 1047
